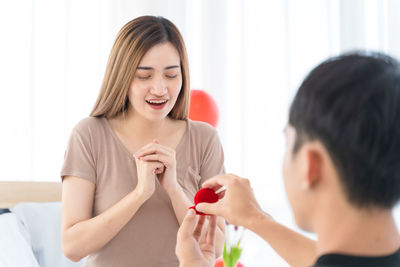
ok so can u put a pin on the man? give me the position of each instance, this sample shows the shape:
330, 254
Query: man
341, 172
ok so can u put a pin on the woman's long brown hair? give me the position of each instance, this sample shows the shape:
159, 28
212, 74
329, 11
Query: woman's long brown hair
131, 44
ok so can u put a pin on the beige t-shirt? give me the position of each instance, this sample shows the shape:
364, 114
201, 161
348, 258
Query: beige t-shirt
95, 153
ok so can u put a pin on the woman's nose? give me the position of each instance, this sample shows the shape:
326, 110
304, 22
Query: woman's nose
159, 87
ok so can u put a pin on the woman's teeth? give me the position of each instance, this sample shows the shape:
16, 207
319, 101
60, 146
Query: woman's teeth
156, 102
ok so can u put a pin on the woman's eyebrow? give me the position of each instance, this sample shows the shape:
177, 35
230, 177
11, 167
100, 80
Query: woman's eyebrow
144, 68
172, 67
151, 68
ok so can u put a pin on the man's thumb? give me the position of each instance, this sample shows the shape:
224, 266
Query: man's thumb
207, 208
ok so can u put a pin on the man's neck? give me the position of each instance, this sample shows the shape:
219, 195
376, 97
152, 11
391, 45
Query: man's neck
353, 231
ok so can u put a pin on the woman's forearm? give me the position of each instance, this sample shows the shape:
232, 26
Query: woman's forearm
180, 202
294, 248
86, 237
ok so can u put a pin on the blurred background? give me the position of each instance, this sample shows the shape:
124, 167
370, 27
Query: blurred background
251, 56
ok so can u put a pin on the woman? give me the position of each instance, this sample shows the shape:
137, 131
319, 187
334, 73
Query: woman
133, 167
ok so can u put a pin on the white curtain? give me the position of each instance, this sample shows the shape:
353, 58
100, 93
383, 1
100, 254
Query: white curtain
250, 55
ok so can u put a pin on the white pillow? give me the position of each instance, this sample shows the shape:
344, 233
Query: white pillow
42, 222
14, 249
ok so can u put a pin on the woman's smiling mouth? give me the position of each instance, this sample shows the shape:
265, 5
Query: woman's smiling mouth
157, 103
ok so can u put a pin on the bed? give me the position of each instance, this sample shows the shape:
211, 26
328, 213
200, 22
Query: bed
30, 225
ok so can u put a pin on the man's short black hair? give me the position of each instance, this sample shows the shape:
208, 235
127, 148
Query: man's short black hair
351, 104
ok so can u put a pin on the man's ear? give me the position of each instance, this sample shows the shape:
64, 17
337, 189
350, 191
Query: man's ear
313, 165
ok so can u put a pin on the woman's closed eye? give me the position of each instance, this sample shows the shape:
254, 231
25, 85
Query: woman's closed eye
143, 77
171, 76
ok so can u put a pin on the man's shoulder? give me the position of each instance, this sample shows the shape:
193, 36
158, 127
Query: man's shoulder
343, 260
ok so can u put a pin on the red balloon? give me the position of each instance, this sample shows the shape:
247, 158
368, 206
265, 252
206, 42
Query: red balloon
203, 108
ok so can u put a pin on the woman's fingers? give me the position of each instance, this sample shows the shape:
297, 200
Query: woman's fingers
156, 166
159, 170
156, 152
167, 161
154, 148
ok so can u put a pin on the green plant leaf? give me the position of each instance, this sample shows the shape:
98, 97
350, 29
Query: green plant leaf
235, 255
226, 256
232, 257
